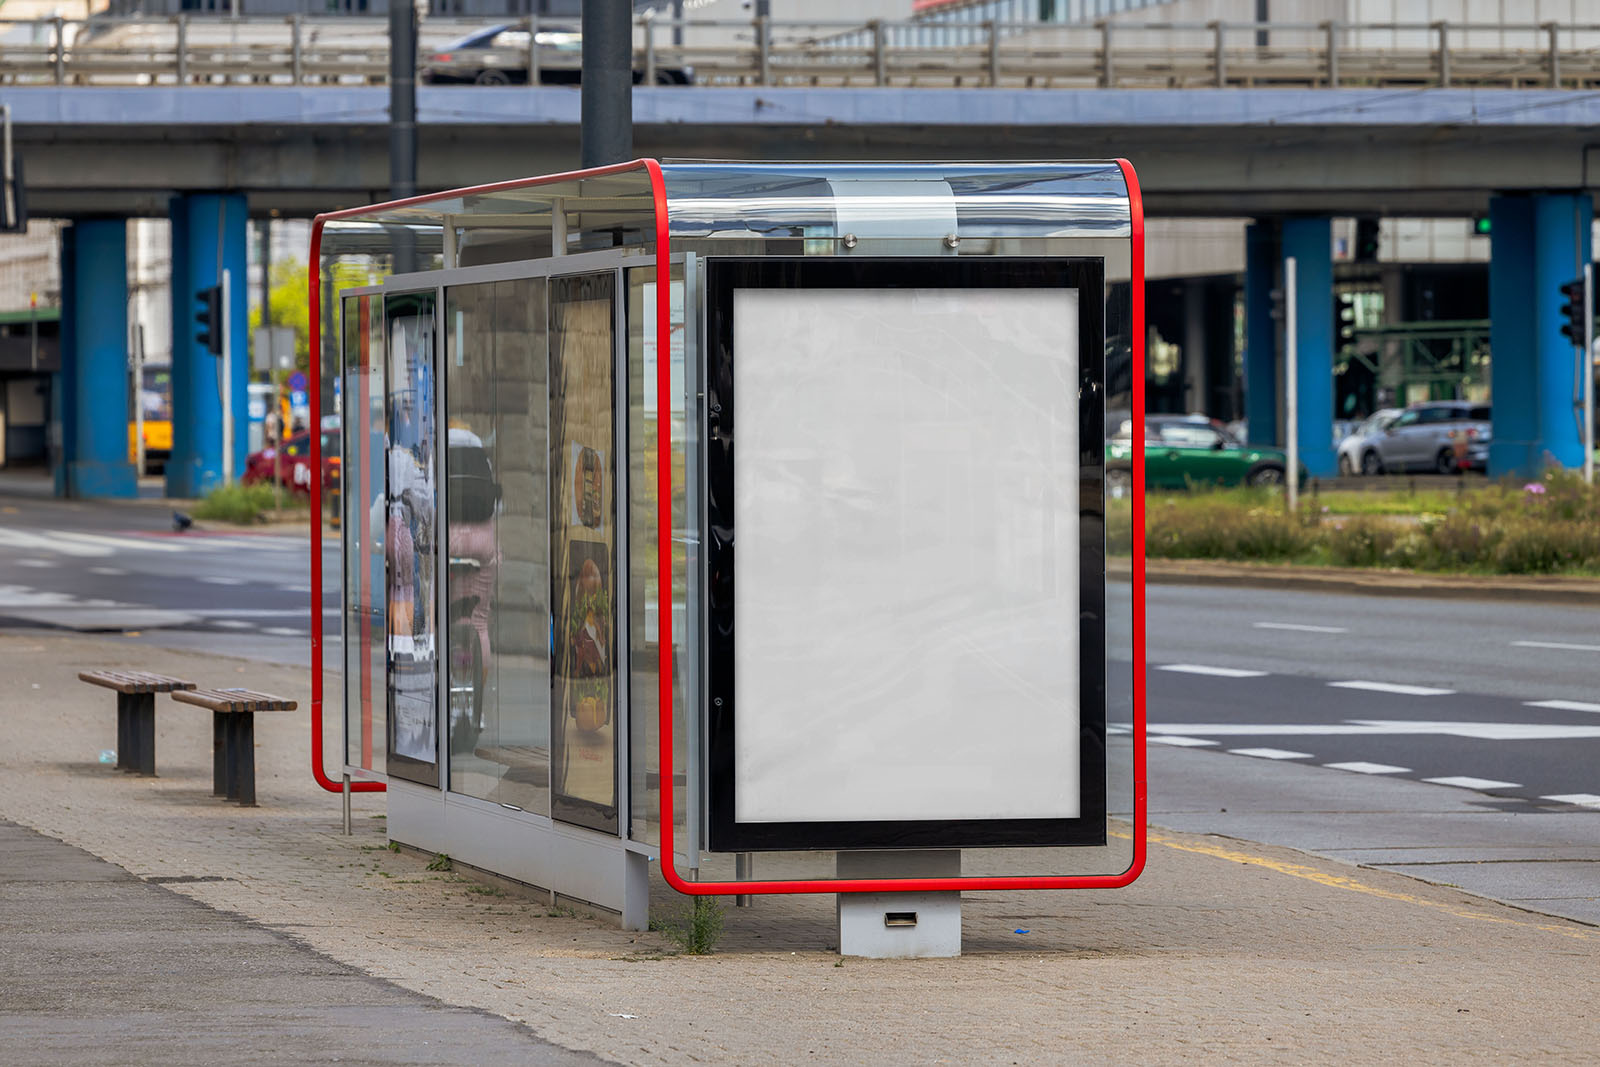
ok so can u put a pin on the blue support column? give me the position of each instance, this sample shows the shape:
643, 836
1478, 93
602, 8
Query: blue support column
1260, 333
209, 233
1539, 243
99, 464
1310, 242
63, 386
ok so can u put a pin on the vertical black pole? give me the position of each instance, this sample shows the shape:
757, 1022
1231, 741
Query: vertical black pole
1262, 15
403, 119
607, 131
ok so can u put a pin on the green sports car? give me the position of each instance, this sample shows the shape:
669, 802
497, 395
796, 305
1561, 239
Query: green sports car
1186, 450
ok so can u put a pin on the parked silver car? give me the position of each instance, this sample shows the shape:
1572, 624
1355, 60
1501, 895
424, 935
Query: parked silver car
1353, 445
1443, 436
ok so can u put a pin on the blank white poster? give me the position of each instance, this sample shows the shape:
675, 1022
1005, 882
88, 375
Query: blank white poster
906, 554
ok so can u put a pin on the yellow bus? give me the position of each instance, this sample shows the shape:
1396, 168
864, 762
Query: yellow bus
155, 396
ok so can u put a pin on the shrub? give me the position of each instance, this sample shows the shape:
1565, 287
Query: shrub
1362, 542
241, 503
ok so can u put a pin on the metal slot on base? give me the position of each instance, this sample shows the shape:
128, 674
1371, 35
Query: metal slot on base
899, 918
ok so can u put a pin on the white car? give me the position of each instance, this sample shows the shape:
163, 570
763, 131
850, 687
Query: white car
1353, 447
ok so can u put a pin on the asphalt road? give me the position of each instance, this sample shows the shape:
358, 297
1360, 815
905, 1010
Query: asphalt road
124, 567
1451, 739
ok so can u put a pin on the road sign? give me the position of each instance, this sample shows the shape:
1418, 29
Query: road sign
272, 348
297, 381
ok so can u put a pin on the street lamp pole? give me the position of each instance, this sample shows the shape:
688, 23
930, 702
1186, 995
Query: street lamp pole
606, 132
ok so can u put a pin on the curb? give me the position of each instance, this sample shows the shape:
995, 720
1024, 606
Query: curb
1361, 582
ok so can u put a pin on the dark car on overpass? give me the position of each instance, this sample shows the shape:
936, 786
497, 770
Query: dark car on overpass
498, 55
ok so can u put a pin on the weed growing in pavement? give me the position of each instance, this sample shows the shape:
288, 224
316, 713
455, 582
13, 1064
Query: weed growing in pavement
440, 862
485, 890
697, 930
393, 846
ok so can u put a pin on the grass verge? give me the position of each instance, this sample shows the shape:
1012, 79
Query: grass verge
1547, 526
247, 504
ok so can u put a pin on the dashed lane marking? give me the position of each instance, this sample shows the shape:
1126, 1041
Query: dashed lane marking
1215, 672
1270, 753
1466, 781
1562, 705
36, 563
1393, 687
1560, 645
1182, 742
1582, 800
1479, 731
233, 624
220, 579
109, 572
1302, 627
1362, 767
285, 631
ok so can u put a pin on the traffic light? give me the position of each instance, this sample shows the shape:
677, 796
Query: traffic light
1366, 240
1572, 329
210, 319
1345, 318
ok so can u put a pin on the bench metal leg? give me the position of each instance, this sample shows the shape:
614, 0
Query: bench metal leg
144, 718
219, 754
126, 759
244, 759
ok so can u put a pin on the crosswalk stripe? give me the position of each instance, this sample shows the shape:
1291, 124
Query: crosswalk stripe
1392, 687
137, 543
1562, 705
1215, 672
1182, 742
1270, 753
22, 539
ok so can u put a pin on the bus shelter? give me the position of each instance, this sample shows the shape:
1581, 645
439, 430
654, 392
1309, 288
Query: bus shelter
745, 520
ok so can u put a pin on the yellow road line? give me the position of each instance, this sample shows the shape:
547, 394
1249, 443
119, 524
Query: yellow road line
1339, 881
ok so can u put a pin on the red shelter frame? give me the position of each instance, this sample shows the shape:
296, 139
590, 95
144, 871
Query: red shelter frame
669, 870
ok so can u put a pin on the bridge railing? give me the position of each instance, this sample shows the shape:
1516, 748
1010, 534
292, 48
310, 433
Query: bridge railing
301, 50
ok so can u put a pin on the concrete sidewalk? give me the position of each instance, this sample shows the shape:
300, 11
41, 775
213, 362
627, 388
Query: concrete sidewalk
1223, 949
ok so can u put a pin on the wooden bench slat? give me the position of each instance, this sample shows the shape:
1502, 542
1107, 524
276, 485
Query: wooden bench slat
135, 681
231, 700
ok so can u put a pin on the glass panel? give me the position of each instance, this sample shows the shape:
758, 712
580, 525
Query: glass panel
644, 623
412, 501
361, 486
583, 550
496, 512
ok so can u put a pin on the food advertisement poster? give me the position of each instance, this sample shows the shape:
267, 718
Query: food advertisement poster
583, 550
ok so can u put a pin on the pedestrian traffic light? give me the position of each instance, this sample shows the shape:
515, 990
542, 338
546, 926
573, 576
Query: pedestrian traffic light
1345, 317
1572, 311
210, 319
1366, 240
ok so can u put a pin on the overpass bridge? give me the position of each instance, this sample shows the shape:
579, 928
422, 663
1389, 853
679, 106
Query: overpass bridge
209, 155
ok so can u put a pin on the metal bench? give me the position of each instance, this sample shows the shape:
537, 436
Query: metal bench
233, 736
136, 713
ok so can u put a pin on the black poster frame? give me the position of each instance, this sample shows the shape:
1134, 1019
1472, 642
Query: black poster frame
723, 276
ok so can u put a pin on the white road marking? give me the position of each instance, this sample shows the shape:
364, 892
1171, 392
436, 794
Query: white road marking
22, 539
297, 589
35, 563
233, 624
1181, 742
1361, 767
1582, 800
110, 572
1562, 705
1562, 645
144, 544
1270, 753
285, 631
1392, 687
1302, 627
1478, 731
1217, 672
219, 579
1466, 781
259, 613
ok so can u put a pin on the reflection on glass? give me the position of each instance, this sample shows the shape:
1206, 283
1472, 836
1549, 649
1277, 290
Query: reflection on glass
583, 550
496, 506
361, 486
412, 499
644, 626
